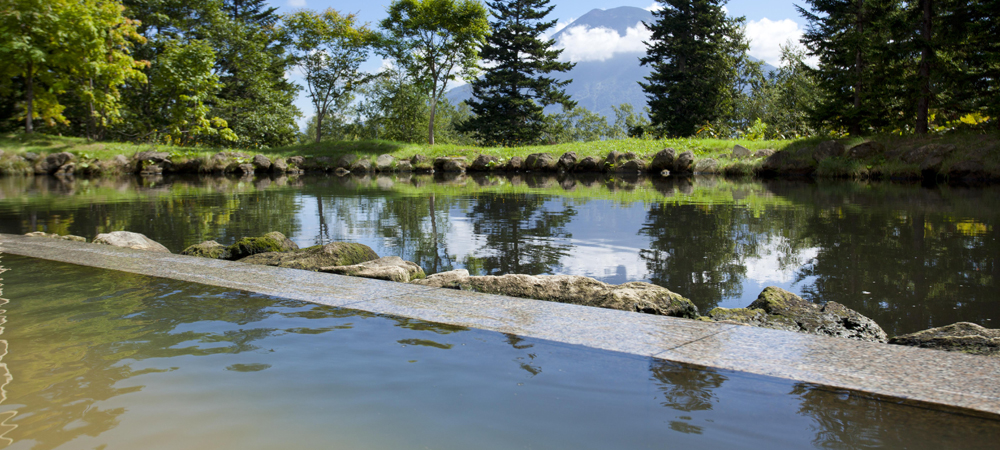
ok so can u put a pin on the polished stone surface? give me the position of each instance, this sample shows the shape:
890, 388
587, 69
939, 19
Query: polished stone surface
910, 374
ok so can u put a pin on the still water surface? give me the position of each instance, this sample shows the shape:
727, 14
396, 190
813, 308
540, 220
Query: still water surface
907, 256
96, 359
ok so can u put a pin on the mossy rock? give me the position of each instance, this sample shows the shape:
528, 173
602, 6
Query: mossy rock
208, 249
962, 337
314, 258
270, 242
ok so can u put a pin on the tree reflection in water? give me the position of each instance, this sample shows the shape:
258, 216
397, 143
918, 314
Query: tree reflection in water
686, 389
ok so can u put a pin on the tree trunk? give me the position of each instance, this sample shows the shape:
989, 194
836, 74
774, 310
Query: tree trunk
430, 127
92, 123
924, 72
319, 127
29, 94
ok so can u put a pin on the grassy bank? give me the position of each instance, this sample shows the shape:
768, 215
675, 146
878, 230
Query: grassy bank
981, 151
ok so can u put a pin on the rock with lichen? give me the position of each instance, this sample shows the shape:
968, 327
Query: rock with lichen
962, 337
316, 257
270, 242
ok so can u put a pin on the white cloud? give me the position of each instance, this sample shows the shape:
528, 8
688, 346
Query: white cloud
766, 36
559, 27
297, 3
654, 7
598, 44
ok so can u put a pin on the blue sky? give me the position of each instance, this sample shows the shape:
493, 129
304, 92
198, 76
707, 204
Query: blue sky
769, 23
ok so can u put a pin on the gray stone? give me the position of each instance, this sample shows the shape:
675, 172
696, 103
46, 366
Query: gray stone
567, 161
515, 164
152, 156
764, 153
972, 169
403, 166
779, 309
419, 159
384, 163
279, 166
740, 151
297, 161
391, 268
865, 150
68, 237
633, 166
128, 239
484, 163
450, 165
787, 163
613, 160
684, 162
361, 166
828, 149
635, 296
246, 169
30, 156
67, 170
446, 279
53, 162
208, 249
589, 164
706, 166
317, 257
270, 242
663, 160
543, 162
346, 161
962, 337
918, 155
261, 163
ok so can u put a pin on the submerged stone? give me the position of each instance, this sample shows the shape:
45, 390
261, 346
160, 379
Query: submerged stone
577, 290
779, 309
962, 337
316, 257
391, 268
128, 239
270, 242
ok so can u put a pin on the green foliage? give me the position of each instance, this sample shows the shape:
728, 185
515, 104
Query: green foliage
435, 41
508, 100
56, 48
700, 66
329, 47
628, 123
578, 124
251, 60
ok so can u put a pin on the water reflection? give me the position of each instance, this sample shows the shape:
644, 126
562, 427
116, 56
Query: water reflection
907, 256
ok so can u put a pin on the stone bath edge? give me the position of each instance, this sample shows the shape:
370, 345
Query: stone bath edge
925, 378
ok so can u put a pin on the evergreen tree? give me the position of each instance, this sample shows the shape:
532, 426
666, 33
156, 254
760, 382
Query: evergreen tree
859, 70
699, 60
508, 101
255, 99
984, 57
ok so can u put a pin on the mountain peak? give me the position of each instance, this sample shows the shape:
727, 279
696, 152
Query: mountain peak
619, 19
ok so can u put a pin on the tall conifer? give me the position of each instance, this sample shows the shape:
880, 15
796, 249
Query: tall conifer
698, 56
859, 69
508, 101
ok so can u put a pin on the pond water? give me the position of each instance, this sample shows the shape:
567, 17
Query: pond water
909, 257
95, 359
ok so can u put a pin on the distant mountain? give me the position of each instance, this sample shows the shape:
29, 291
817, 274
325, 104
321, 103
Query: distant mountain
599, 85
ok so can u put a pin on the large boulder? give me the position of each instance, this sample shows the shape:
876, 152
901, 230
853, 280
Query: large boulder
345, 161
208, 249
279, 166
128, 239
270, 242
68, 237
763, 153
317, 257
633, 166
391, 268
740, 151
50, 164
635, 296
542, 162
865, 150
828, 149
929, 151
515, 164
684, 162
663, 160
779, 309
261, 163
152, 156
787, 163
567, 161
361, 166
450, 165
484, 163
706, 166
384, 163
962, 337
589, 164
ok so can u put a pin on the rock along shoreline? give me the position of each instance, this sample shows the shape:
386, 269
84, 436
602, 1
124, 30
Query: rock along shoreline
867, 160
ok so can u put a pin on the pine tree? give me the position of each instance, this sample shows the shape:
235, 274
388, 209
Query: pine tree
698, 56
860, 71
508, 101
984, 57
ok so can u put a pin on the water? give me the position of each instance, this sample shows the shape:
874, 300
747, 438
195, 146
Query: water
907, 256
110, 360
